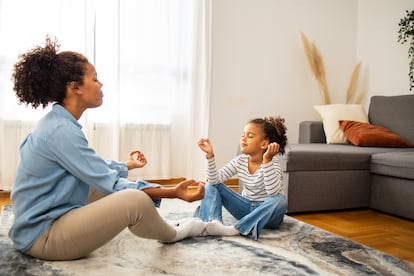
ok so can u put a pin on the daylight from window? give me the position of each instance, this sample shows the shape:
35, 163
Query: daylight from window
142, 51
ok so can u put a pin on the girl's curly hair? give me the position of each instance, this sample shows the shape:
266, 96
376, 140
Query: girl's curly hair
274, 129
42, 74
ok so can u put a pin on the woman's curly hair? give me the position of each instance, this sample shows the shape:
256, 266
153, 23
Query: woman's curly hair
42, 74
274, 129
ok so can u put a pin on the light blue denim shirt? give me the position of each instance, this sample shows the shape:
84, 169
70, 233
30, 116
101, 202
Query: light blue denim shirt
56, 170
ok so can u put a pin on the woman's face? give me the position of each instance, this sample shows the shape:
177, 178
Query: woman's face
253, 139
92, 95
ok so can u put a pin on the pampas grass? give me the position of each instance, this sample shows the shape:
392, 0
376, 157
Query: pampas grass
317, 67
350, 93
360, 97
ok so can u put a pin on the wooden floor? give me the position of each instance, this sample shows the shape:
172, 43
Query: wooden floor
378, 230
383, 232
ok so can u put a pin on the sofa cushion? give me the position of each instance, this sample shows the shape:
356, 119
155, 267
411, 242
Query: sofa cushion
366, 134
397, 164
323, 157
332, 113
395, 113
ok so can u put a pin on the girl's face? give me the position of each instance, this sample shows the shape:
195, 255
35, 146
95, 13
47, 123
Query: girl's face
253, 140
91, 88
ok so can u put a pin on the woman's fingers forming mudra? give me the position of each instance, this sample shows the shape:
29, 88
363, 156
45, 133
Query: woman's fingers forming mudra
186, 193
137, 158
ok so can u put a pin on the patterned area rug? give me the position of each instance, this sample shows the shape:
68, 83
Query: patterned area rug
294, 249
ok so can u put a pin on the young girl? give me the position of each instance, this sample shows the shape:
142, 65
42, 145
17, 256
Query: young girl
68, 201
262, 203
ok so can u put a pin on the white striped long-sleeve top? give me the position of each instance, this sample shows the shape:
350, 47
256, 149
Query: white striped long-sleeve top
267, 180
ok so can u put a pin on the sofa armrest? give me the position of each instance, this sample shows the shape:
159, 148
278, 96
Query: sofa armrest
311, 132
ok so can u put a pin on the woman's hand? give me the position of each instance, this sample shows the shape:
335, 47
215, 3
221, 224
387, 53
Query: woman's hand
205, 145
136, 159
272, 150
182, 191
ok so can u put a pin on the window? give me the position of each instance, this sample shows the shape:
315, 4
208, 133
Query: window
21, 29
142, 50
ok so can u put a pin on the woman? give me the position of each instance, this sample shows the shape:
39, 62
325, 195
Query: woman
68, 201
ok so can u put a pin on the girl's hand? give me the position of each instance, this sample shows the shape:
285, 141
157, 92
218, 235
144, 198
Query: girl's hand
272, 150
205, 145
182, 191
136, 159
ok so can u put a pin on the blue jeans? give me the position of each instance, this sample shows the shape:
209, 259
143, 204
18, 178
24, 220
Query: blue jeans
252, 216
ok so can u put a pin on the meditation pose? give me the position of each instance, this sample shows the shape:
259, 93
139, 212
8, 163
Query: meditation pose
261, 203
68, 201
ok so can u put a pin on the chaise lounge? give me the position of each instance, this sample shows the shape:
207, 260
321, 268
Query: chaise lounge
370, 171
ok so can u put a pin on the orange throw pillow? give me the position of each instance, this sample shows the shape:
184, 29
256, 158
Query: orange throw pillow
368, 135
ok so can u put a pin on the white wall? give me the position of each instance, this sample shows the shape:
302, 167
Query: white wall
259, 67
386, 60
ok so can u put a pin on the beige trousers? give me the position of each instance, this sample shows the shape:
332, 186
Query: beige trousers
83, 230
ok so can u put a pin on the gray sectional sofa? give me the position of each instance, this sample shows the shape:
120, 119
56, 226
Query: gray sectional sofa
320, 176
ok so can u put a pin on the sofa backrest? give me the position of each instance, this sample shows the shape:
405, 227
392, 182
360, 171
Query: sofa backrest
395, 113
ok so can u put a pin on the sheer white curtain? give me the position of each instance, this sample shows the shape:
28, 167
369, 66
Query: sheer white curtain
152, 57
24, 24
